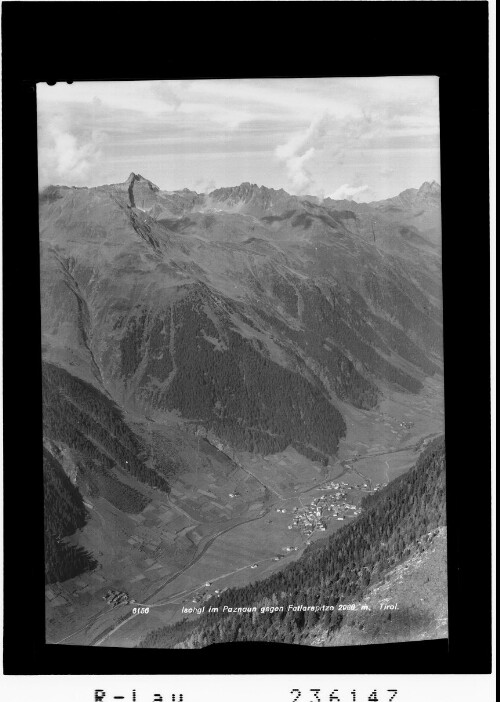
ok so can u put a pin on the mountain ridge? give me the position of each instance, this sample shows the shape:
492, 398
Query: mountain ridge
245, 188
271, 254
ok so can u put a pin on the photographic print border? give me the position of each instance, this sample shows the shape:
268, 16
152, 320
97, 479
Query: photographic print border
389, 39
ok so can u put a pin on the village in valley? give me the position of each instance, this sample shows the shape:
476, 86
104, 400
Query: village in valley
231, 519
333, 504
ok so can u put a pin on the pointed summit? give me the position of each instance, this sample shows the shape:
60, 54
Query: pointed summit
137, 177
142, 192
429, 188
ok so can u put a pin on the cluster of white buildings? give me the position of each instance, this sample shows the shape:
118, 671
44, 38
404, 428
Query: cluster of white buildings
406, 425
117, 597
323, 508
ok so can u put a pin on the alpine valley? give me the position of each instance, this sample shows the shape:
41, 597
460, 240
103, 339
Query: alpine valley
242, 407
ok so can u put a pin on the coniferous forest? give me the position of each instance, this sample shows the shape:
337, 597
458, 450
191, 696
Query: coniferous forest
335, 570
79, 416
64, 513
225, 382
246, 398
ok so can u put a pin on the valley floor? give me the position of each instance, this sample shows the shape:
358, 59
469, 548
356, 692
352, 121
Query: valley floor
229, 521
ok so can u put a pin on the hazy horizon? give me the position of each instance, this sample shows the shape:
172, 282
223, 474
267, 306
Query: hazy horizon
363, 139
234, 185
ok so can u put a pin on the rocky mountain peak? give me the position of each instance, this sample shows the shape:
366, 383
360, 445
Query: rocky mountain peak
142, 192
249, 197
138, 178
432, 188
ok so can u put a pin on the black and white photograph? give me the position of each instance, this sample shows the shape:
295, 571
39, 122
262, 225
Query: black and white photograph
248, 343
242, 362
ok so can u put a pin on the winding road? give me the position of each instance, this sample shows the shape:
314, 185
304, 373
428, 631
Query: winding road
205, 544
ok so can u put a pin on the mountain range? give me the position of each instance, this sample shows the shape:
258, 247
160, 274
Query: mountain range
134, 280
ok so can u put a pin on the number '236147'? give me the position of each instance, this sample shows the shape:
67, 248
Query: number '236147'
317, 695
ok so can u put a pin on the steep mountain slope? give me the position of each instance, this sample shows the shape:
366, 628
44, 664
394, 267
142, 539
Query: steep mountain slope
426, 197
414, 215
122, 291
416, 212
78, 416
64, 513
409, 604
301, 602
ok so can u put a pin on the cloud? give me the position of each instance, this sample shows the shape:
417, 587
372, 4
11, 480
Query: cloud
299, 149
344, 135
62, 156
298, 175
222, 115
135, 96
349, 192
166, 93
302, 141
319, 130
205, 185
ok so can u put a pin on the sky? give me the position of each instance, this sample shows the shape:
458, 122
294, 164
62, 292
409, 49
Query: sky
348, 138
